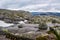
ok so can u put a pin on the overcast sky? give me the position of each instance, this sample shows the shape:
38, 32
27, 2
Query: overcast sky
31, 5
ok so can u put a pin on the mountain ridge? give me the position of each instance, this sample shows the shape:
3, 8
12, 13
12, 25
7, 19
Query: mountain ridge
46, 13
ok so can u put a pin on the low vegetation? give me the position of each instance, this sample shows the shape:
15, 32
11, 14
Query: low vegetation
54, 31
42, 26
16, 16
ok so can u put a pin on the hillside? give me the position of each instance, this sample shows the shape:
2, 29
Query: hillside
13, 15
14, 12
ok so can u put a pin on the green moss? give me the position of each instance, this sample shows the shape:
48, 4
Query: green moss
40, 38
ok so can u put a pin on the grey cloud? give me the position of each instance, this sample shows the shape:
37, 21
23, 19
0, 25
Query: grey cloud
15, 4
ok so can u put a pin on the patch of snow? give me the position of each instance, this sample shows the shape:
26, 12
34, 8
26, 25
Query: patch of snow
25, 20
22, 22
3, 24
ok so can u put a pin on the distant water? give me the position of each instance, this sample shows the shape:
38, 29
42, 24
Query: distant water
3, 24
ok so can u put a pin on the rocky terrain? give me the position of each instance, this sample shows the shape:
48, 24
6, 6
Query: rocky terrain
3, 38
38, 27
14, 16
28, 27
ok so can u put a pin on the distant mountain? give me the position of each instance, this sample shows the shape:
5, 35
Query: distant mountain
23, 13
46, 13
